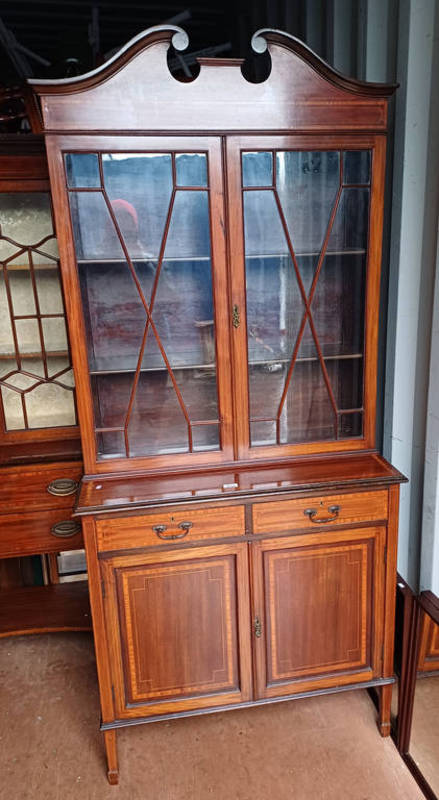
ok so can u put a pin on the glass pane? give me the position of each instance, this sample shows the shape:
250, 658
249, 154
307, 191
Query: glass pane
307, 184
28, 336
55, 334
157, 425
350, 425
262, 433
191, 169
205, 437
82, 170
346, 379
30, 272
307, 414
257, 169
149, 321
350, 228
25, 217
50, 405
139, 186
49, 290
111, 444
328, 347
20, 284
12, 409
93, 230
356, 166
114, 316
338, 304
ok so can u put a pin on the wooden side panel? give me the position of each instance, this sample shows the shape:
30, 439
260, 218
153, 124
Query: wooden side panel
122, 532
178, 629
316, 603
289, 514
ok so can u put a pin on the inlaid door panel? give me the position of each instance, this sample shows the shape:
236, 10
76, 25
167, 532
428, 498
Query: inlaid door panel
429, 648
178, 629
315, 618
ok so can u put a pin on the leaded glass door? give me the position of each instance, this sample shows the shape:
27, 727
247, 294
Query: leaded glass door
305, 277
148, 229
37, 398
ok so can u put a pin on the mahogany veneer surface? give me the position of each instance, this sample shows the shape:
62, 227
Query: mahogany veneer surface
130, 492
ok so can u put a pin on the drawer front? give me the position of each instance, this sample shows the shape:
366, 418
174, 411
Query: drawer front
44, 532
308, 512
163, 527
39, 487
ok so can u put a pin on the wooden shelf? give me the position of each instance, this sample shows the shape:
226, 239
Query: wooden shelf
45, 609
34, 354
212, 367
152, 260
25, 267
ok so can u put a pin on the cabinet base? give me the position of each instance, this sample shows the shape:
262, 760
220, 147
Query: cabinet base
123, 723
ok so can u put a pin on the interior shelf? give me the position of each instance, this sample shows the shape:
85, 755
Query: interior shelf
258, 363
26, 267
148, 259
34, 354
45, 609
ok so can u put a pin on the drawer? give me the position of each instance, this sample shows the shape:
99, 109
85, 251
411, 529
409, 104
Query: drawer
308, 512
42, 486
29, 534
170, 528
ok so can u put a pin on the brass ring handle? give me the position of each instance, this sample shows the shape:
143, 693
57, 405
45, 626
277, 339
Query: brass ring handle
65, 529
62, 487
312, 514
160, 530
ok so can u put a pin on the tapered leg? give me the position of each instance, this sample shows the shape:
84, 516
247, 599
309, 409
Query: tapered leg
111, 751
385, 700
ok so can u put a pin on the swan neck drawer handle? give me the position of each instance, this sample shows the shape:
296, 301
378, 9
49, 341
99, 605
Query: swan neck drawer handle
312, 514
160, 531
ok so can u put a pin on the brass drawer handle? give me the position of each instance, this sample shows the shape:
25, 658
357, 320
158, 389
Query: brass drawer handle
312, 514
66, 528
160, 530
258, 628
62, 487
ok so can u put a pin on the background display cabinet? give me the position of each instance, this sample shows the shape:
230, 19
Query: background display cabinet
220, 246
40, 452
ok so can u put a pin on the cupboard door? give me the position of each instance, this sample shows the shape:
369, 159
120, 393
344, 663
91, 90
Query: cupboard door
306, 275
36, 377
317, 610
178, 626
148, 233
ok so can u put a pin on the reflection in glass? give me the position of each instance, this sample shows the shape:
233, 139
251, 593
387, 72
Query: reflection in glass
146, 283
424, 738
82, 170
191, 169
257, 169
356, 166
305, 250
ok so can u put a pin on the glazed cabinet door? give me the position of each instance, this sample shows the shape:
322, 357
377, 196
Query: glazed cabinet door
178, 627
37, 398
317, 610
306, 242
144, 258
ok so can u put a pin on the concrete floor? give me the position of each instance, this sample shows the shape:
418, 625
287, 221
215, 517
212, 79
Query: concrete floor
322, 748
